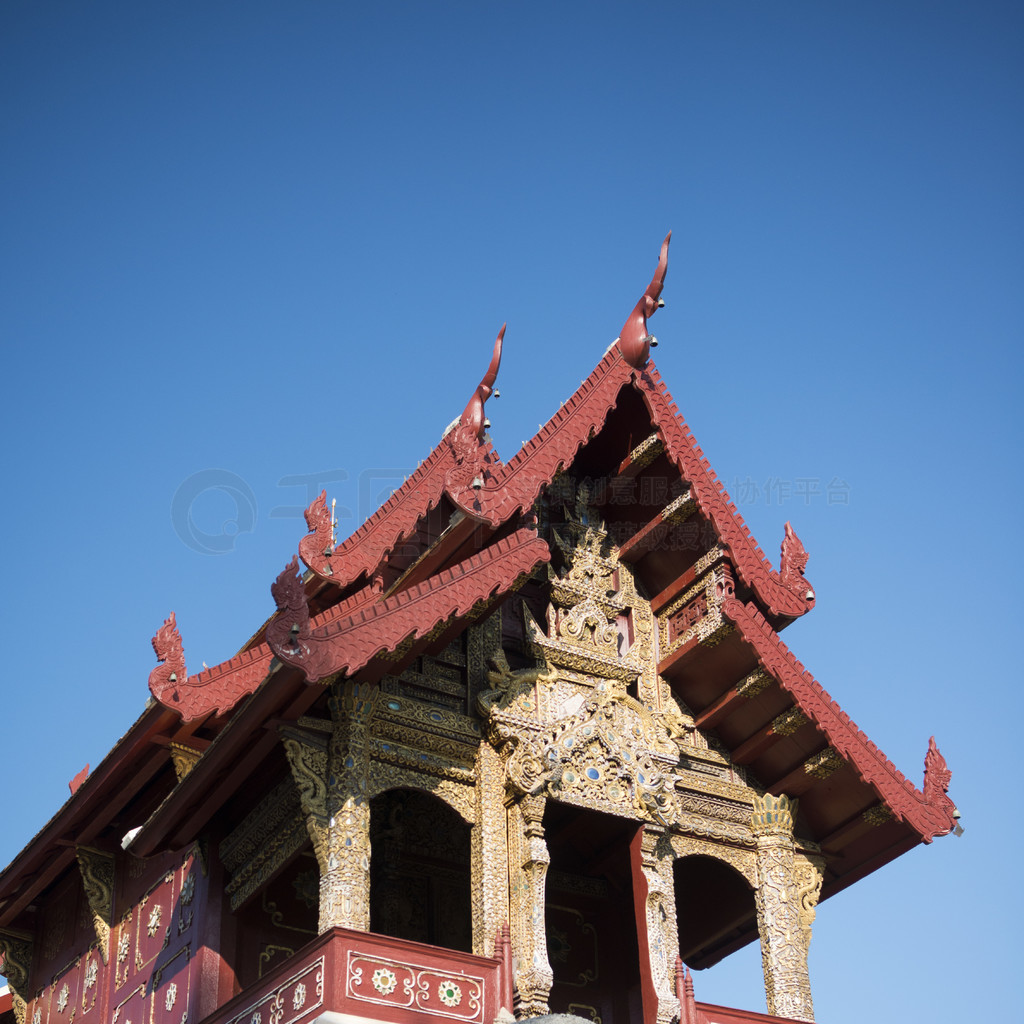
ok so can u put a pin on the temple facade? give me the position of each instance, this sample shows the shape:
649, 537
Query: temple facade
527, 742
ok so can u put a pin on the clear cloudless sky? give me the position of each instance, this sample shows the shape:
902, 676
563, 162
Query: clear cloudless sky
245, 246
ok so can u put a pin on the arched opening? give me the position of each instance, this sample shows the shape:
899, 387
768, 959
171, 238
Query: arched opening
589, 914
420, 865
715, 909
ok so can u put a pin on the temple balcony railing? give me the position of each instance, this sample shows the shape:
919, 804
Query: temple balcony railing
369, 976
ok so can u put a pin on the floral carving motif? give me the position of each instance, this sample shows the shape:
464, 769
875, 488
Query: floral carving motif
449, 993
153, 925
172, 994
91, 973
299, 996
384, 981
62, 998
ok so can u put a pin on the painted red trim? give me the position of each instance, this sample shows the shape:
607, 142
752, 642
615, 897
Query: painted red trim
754, 569
364, 550
323, 646
929, 813
462, 454
507, 489
218, 688
514, 486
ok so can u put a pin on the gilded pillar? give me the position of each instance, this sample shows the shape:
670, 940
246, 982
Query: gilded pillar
330, 771
783, 925
490, 852
528, 867
652, 858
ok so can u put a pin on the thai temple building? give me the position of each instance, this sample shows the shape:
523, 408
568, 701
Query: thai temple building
527, 742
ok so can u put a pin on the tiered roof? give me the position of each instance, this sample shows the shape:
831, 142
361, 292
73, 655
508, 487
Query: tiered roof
454, 542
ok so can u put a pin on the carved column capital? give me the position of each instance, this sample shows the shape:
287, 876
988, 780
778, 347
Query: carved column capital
773, 817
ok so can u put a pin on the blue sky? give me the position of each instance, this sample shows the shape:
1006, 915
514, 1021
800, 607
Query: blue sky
276, 241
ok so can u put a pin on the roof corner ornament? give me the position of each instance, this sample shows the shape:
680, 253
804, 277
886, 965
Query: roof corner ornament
168, 678
792, 564
472, 418
467, 439
76, 783
634, 341
316, 548
937, 777
288, 632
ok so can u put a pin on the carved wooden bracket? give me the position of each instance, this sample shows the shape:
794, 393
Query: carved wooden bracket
97, 870
16, 949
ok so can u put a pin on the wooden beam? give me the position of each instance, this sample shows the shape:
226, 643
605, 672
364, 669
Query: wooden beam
653, 532
791, 721
641, 456
851, 829
45, 877
666, 664
749, 686
438, 554
676, 587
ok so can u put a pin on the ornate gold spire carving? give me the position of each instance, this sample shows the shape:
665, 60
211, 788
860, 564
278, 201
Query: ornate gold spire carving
582, 632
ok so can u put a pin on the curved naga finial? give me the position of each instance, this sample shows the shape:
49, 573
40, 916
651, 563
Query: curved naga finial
214, 689
634, 341
792, 565
316, 547
166, 679
936, 782
467, 437
288, 632
292, 621
472, 418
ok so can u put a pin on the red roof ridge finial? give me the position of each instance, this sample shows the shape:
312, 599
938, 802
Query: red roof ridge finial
74, 785
792, 563
937, 777
166, 680
634, 341
473, 415
466, 436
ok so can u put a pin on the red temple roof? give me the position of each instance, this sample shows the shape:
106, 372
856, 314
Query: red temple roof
456, 539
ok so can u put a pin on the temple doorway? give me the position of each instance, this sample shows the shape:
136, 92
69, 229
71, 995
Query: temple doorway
714, 909
420, 870
590, 923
